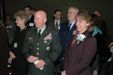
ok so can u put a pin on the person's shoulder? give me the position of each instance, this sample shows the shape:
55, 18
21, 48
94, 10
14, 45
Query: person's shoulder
30, 30
91, 38
65, 22
32, 18
52, 30
62, 21
49, 28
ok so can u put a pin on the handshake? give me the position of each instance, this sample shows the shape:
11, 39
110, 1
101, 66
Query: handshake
37, 62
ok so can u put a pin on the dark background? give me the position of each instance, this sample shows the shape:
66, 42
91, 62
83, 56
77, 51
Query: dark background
105, 6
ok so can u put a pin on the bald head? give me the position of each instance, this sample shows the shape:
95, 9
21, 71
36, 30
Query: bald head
42, 13
40, 18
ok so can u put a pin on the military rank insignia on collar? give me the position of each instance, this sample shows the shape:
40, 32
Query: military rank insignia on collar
48, 37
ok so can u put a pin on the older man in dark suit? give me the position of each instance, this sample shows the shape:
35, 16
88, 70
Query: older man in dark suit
41, 47
66, 31
67, 28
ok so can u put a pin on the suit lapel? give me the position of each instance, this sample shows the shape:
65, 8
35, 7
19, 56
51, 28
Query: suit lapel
61, 23
74, 27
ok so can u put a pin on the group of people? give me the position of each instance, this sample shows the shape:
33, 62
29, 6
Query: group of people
59, 47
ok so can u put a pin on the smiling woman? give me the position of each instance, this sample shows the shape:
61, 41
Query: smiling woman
79, 56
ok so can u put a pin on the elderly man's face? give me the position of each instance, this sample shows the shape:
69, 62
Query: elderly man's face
39, 19
72, 13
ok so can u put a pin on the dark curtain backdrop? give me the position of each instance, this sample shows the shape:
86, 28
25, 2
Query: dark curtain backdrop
2, 10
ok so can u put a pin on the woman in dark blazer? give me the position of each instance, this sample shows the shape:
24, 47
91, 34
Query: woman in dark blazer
82, 49
19, 64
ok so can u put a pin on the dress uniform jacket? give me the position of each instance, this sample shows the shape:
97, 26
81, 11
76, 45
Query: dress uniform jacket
47, 48
79, 57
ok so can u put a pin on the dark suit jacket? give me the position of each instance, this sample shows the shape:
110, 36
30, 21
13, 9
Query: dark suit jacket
79, 57
45, 49
30, 23
66, 34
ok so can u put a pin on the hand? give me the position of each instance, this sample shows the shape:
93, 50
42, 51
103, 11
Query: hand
63, 73
31, 58
11, 57
10, 60
40, 64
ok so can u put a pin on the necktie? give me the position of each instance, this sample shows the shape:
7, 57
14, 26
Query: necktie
39, 33
69, 25
56, 25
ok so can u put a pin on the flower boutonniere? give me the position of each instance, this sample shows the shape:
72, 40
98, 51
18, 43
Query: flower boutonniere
80, 38
48, 37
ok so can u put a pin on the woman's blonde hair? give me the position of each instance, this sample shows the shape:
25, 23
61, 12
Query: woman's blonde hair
22, 15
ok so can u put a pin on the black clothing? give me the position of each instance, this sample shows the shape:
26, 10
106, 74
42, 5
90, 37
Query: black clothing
19, 65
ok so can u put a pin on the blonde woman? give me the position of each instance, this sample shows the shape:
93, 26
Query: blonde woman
19, 66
